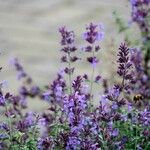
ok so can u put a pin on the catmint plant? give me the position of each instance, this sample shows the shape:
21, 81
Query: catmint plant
125, 67
93, 35
72, 121
68, 48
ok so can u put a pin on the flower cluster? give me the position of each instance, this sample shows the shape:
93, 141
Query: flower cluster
17, 126
67, 41
73, 121
27, 88
125, 67
92, 36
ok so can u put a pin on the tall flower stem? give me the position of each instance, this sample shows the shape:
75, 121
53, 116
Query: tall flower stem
91, 85
70, 78
124, 67
147, 59
123, 79
92, 36
67, 42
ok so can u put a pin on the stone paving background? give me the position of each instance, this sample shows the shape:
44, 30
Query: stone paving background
28, 30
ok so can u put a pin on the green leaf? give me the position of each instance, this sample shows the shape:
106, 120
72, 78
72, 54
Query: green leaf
57, 128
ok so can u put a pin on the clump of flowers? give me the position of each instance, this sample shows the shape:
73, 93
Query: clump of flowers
140, 55
140, 15
73, 121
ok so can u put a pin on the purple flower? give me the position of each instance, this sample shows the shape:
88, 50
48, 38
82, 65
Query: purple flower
34, 91
144, 117
67, 36
20, 70
93, 33
92, 36
97, 79
85, 76
114, 106
140, 13
69, 71
74, 106
64, 59
93, 61
44, 143
115, 132
104, 103
73, 143
29, 119
123, 59
142, 84
42, 121
137, 58
87, 48
2, 100
68, 48
88, 144
113, 93
71, 122
56, 90
97, 48
125, 68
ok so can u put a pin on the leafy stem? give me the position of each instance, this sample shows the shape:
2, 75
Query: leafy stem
69, 66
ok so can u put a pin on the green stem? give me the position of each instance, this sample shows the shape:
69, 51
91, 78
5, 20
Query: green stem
70, 80
35, 127
136, 137
91, 85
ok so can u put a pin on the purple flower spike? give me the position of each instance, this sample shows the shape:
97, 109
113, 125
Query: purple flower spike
93, 33
93, 60
125, 67
67, 36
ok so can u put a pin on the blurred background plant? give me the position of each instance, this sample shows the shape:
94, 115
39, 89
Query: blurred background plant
140, 15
